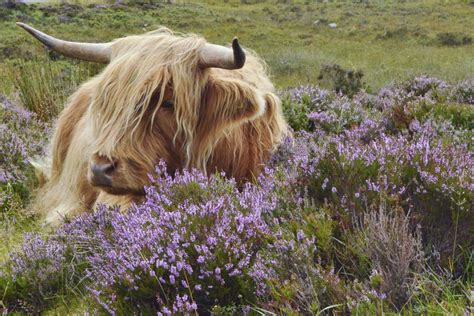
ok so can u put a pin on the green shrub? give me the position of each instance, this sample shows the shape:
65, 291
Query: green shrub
347, 82
453, 39
460, 116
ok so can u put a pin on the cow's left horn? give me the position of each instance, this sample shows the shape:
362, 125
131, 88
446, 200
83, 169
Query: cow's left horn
95, 52
223, 57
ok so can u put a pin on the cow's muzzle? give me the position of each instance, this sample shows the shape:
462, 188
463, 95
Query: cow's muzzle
102, 174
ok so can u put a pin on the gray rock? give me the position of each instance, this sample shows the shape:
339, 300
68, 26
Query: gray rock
64, 19
332, 25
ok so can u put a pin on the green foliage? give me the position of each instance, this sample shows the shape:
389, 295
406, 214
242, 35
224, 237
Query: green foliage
453, 39
460, 116
224, 310
282, 32
296, 113
11, 200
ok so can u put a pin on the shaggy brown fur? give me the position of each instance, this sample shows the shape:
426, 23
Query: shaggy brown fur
220, 120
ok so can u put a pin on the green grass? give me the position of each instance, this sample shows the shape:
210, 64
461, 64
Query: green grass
387, 40
43, 85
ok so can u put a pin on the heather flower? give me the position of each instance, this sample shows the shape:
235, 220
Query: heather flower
36, 250
40, 267
316, 97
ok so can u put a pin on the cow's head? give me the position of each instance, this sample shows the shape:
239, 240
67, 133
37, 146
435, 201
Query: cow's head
162, 97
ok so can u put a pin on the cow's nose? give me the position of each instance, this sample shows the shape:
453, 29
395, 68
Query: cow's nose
102, 173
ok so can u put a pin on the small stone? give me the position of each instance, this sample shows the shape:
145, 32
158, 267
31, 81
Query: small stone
332, 25
64, 19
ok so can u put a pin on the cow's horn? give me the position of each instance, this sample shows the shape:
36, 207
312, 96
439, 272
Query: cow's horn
223, 57
95, 52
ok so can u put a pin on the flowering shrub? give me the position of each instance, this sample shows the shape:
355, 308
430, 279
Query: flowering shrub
22, 136
46, 268
191, 244
413, 150
394, 163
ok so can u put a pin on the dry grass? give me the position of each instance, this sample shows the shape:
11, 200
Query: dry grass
395, 250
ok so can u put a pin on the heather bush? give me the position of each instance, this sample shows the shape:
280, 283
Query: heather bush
43, 271
309, 107
195, 244
408, 144
463, 92
298, 102
192, 244
302, 279
22, 136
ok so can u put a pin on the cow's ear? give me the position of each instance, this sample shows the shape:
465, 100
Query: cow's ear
231, 102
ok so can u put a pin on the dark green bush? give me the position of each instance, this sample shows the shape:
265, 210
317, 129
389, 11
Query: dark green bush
453, 39
344, 81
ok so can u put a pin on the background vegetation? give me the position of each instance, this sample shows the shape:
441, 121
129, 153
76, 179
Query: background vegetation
368, 210
387, 40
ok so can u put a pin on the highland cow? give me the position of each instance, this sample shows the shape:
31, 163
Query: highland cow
162, 96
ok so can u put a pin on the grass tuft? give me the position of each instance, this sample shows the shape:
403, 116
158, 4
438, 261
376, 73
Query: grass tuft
43, 86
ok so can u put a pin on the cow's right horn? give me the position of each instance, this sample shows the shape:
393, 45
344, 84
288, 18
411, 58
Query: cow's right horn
95, 52
223, 57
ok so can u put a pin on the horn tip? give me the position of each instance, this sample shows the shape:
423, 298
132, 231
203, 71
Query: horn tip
235, 42
24, 26
239, 54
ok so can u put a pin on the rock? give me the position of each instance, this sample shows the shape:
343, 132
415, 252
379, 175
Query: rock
101, 6
64, 19
9, 4
317, 23
332, 25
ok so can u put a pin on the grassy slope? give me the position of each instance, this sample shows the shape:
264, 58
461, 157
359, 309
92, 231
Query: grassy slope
387, 40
